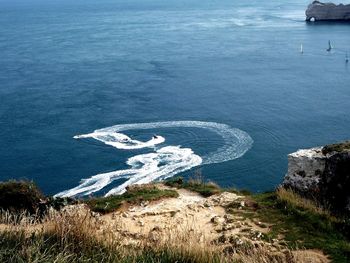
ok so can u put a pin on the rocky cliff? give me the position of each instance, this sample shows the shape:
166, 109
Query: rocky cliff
318, 11
322, 173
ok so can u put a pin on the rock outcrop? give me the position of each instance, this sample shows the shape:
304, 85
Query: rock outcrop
318, 11
305, 168
323, 174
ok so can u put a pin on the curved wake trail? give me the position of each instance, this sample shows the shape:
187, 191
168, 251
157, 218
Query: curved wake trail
121, 141
164, 162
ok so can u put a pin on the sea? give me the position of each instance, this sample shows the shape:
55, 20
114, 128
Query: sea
96, 95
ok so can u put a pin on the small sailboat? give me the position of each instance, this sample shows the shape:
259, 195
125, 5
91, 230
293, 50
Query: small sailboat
329, 46
346, 58
301, 49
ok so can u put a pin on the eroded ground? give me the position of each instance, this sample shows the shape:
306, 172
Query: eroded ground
220, 219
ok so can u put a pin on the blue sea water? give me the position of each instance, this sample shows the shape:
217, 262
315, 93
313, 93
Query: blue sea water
72, 67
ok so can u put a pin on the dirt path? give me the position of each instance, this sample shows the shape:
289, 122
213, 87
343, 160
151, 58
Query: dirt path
190, 212
195, 216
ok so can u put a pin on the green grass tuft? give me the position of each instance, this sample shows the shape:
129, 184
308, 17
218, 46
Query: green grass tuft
196, 185
303, 224
134, 195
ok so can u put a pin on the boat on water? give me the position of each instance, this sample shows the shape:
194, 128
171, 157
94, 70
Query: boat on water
330, 47
301, 49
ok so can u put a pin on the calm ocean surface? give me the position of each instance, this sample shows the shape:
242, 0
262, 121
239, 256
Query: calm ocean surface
71, 67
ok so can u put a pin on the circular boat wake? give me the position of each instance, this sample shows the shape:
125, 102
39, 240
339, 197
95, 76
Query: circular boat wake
165, 161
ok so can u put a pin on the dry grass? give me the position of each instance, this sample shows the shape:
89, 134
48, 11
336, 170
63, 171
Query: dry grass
196, 184
77, 235
291, 198
263, 255
303, 223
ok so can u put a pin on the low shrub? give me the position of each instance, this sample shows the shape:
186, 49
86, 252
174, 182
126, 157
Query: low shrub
196, 185
17, 196
337, 147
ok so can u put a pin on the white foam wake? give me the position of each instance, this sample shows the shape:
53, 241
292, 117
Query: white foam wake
145, 168
164, 162
121, 141
236, 141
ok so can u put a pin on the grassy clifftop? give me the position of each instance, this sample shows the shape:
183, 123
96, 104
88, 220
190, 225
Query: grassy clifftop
288, 222
134, 195
303, 223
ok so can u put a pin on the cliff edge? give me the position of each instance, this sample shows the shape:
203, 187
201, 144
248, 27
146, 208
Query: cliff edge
322, 173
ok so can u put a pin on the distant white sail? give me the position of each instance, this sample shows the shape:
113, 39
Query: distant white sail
301, 49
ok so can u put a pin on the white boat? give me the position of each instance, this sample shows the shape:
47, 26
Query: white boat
301, 49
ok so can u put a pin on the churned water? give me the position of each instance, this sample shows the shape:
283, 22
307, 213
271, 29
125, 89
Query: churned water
129, 91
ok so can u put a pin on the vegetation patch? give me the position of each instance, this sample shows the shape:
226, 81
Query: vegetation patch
16, 247
134, 195
196, 185
74, 236
302, 223
337, 147
18, 196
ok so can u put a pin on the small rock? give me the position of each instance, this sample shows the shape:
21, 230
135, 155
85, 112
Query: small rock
217, 220
207, 204
157, 229
144, 203
226, 227
229, 218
